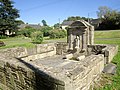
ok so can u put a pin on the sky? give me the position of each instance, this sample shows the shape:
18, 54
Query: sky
53, 11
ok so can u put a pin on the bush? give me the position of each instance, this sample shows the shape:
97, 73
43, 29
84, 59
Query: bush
37, 37
3, 37
58, 34
2, 43
46, 30
26, 31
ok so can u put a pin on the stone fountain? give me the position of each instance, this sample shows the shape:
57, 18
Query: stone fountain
74, 65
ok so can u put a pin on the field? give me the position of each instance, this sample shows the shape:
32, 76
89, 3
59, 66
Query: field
109, 82
25, 42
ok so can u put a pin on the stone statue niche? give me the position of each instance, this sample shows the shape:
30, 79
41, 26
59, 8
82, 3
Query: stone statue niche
80, 34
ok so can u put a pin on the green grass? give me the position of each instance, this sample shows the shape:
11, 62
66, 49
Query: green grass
107, 34
115, 79
17, 42
25, 42
48, 40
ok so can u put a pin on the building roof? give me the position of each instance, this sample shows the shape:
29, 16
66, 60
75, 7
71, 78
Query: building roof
67, 23
95, 21
36, 26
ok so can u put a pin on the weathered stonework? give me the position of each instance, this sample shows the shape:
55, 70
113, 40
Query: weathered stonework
54, 66
50, 73
26, 77
109, 51
80, 34
18, 74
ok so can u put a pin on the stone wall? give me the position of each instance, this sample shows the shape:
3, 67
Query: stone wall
61, 48
84, 74
19, 76
109, 51
39, 51
18, 70
16, 74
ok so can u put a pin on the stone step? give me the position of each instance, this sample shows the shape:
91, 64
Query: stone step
110, 69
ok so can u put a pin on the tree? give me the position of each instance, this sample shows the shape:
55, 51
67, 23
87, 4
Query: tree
37, 37
110, 18
57, 25
20, 22
44, 23
56, 33
26, 31
103, 12
46, 30
74, 18
8, 16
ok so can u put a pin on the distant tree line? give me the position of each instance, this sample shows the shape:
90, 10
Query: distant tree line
110, 19
74, 18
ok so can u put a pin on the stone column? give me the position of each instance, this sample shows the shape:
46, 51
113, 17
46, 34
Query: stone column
80, 42
92, 35
88, 39
71, 41
84, 41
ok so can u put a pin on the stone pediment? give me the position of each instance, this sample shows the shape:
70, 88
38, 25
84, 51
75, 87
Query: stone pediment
80, 24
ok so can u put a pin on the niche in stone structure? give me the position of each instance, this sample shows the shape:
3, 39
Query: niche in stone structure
80, 34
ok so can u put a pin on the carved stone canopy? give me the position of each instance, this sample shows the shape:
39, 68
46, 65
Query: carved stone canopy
80, 34
79, 24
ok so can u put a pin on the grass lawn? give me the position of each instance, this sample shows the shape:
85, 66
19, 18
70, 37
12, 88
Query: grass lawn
107, 34
17, 42
26, 42
110, 82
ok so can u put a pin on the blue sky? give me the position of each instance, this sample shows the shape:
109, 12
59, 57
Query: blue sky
34, 11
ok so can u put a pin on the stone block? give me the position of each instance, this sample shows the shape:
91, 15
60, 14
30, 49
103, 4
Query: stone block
31, 51
110, 68
60, 87
81, 57
68, 56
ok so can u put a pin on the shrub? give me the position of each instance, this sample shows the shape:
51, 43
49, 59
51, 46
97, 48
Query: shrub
3, 37
46, 30
58, 34
2, 43
37, 37
26, 31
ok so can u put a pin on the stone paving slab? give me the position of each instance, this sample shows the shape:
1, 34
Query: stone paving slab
110, 68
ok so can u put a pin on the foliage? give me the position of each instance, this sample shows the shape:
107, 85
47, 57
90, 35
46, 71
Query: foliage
57, 26
37, 37
2, 43
74, 18
3, 37
44, 23
110, 18
26, 31
20, 22
58, 34
46, 30
8, 15
17, 42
